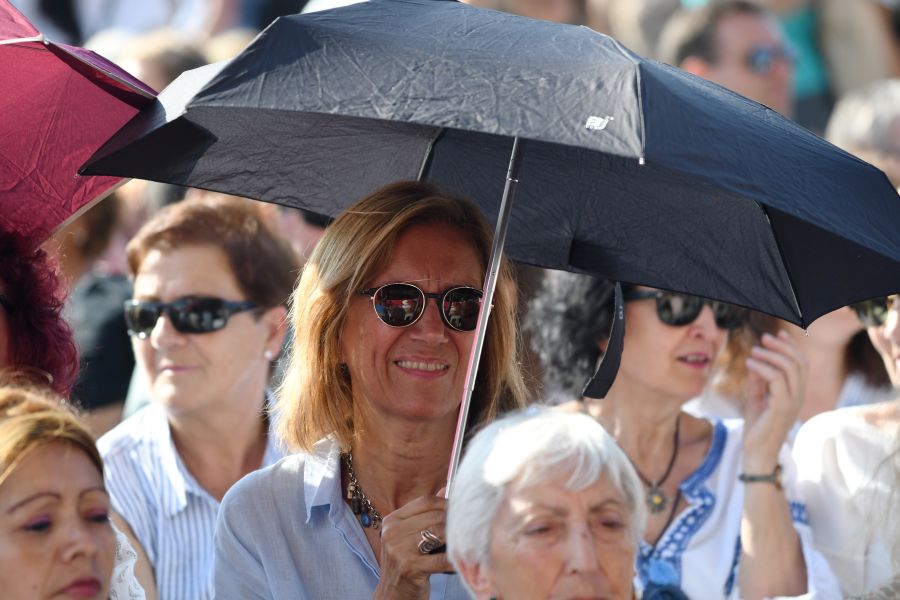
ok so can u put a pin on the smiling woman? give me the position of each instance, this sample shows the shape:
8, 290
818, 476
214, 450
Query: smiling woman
383, 315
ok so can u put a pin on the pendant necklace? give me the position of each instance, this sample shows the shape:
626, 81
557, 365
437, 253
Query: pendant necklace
656, 499
360, 504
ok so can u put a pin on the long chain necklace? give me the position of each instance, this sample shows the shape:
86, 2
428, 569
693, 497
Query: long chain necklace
360, 504
656, 499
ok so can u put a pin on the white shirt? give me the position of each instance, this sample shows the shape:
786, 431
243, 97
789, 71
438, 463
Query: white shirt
853, 497
854, 392
172, 516
700, 551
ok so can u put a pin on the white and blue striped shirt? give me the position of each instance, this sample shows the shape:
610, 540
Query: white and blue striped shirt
172, 517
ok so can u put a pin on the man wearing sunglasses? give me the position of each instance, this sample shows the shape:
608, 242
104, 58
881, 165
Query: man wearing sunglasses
737, 44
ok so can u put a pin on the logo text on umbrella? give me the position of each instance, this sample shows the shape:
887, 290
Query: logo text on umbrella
598, 123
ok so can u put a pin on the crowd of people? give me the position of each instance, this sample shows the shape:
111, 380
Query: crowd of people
274, 395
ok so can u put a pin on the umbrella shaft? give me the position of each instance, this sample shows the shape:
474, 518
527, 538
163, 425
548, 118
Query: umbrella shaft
487, 302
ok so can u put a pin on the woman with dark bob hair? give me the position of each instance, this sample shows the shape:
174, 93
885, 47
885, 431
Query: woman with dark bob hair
33, 333
723, 517
384, 316
207, 320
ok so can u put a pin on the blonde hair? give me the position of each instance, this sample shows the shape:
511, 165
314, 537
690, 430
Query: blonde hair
30, 417
315, 399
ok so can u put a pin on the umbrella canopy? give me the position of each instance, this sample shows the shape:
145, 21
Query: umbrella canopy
58, 104
632, 170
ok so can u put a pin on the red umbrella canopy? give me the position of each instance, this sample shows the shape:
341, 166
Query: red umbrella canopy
58, 104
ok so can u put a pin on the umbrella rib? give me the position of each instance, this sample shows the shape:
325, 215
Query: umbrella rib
787, 268
429, 152
37, 38
640, 98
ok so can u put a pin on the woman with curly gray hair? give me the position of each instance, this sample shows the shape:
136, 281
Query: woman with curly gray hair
706, 534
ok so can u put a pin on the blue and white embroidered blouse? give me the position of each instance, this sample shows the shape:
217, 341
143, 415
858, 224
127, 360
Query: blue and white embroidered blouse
700, 551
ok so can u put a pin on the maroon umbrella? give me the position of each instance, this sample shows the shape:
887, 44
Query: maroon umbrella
58, 104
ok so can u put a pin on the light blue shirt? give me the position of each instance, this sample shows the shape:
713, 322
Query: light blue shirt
285, 533
171, 515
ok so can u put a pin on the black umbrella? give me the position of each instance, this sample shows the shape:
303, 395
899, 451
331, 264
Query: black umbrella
632, 170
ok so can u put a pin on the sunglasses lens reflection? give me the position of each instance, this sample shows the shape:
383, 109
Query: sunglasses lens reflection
401, 305
189, 315
678, 309
873, 313
761, 60
728, 316
398, 304
460, 308
140, 317
200, 315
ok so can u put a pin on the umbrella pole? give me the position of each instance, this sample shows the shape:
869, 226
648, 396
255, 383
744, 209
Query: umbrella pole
487, 301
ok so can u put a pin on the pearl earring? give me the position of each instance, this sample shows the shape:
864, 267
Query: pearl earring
269, 355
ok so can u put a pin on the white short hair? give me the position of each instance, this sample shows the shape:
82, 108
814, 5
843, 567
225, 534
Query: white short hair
530, 447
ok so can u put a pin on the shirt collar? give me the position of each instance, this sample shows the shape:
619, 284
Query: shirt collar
177, 482
322, 476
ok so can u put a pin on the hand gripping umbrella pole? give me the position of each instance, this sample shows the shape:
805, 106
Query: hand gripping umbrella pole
487, 301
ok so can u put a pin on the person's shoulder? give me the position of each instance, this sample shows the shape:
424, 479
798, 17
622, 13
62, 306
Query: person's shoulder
831, 424
274, 481
854, 426
133, 434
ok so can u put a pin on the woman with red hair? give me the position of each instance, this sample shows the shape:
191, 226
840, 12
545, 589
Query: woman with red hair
33, 333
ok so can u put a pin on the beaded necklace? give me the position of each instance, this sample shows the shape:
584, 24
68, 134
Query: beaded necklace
360, 504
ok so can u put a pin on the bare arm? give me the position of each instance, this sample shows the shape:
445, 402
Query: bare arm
772, 562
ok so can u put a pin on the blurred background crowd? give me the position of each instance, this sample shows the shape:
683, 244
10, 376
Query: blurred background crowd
830, 65
833, 66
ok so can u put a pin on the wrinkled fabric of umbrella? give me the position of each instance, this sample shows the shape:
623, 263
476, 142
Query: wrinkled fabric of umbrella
58, 104
632, 170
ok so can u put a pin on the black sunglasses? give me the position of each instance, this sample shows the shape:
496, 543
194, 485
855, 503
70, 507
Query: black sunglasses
402, 304
681, 309
761, 59
192, 314
873, 313
5, 303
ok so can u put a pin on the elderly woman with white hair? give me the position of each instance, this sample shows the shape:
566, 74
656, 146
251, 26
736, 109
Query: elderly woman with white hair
545, 505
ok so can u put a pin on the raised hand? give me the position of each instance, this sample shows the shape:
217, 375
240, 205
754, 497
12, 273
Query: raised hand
404, 568
776, 388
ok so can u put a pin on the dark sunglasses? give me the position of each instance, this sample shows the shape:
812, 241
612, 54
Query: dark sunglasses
681, 309
761, 59
193, 314
873, 313
5, 303
402, 304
